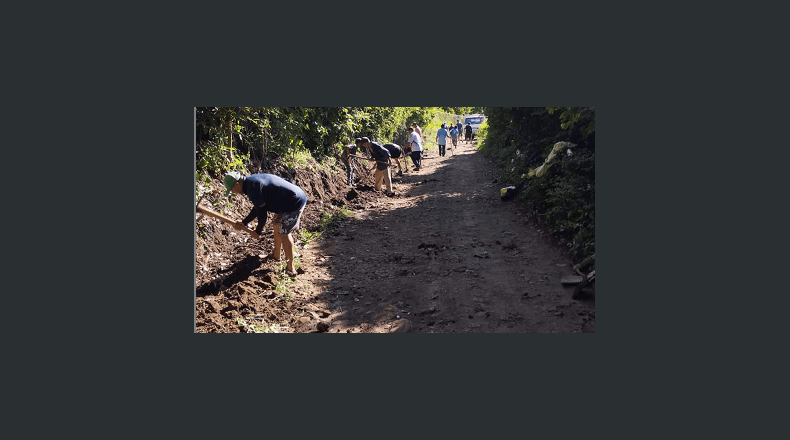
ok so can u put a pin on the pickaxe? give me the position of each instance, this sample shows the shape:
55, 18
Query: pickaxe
223, 218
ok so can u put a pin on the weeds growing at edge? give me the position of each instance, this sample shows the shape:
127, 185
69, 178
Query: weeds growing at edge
284, 280
327, 223
264, 328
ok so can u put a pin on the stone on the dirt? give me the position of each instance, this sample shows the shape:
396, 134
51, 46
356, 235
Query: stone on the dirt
571, 279
322, 327
401, 326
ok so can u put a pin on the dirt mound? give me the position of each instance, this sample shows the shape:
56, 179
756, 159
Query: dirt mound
238, 287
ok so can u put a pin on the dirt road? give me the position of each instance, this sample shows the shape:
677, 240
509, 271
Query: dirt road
444, 255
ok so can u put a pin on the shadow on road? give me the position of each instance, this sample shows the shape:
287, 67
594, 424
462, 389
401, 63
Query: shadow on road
447, 255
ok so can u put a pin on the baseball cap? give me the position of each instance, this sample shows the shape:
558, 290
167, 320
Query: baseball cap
229, 180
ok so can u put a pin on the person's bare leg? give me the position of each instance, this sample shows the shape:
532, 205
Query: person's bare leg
278, 242
288, 245
379, 179
388, 181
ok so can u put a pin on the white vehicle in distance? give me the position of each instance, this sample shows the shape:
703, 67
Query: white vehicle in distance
475, 121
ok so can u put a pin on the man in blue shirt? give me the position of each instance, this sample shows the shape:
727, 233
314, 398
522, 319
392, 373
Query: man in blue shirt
268, 192
459, 126
441, 140
454, 136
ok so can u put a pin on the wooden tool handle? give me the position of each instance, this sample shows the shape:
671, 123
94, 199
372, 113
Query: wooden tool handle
219, 216
361, 157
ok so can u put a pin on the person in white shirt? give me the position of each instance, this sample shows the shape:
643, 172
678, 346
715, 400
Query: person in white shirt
415, 146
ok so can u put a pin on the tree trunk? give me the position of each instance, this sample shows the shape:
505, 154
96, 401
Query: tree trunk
264, 148
230, 138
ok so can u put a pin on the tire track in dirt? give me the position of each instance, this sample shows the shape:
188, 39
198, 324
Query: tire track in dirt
445, 255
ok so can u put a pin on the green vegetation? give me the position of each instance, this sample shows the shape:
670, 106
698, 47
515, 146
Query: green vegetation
563, 200
249, 139
283, 280
264, 328
327, 224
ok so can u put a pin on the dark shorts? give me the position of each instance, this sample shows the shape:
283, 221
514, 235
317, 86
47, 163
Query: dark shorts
394, 149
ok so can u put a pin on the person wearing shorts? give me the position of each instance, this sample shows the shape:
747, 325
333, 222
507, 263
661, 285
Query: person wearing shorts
454, 136
286, 202
396, 152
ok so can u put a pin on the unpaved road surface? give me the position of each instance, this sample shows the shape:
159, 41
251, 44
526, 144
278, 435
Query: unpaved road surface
443, 255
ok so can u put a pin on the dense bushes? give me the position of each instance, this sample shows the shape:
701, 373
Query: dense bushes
248, 138
239, 138
563, 200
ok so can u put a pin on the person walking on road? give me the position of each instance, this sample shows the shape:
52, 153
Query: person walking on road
459, 126
454, 135
383, 161
441, 140
268, 192
415, 146
468, 132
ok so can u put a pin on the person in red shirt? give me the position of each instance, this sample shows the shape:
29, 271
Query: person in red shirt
417, 129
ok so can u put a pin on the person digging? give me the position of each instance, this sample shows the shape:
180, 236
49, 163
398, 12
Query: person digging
286, 202
396, 152
383, 162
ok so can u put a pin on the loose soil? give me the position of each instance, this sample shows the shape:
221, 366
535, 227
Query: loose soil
443, 255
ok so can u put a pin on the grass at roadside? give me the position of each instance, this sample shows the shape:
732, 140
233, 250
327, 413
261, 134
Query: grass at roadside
327, 224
